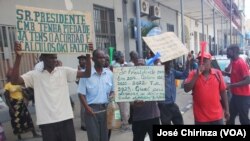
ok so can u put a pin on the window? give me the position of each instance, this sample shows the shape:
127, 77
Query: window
104, 24
7, 40
170, 27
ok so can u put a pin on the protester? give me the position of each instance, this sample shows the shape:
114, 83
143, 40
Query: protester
239, 86
94, 95
170, 112
209, 93
107, 62
21, 120
53, 110
124, 106
145, 115
81, 67
133, 58
119, 59
107, 65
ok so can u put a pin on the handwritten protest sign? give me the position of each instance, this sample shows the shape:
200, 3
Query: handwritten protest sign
167, 44
53, 31
139, 83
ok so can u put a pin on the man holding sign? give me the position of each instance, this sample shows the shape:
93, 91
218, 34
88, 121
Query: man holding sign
53, 108
170, 112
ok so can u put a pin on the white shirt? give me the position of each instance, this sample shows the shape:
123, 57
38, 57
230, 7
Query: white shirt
39, 66
51, 93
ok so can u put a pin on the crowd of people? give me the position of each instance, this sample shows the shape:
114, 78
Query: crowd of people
96, 87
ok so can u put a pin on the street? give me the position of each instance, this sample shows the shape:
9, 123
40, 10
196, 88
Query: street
184, 100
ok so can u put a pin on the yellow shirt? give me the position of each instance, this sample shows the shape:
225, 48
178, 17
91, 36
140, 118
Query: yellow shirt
15, 91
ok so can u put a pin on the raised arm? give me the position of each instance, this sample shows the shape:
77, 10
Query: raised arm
87, 71
15, 77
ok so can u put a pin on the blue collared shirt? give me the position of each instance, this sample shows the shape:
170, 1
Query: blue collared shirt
170, 87
97, 87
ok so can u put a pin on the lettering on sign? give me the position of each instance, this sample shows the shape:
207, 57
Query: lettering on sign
139, 83
53, 31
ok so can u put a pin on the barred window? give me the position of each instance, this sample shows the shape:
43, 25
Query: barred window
104, 24
7, 54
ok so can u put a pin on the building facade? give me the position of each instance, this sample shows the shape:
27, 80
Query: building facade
114, 23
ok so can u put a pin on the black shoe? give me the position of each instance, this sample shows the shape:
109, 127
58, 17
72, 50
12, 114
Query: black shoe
83, 128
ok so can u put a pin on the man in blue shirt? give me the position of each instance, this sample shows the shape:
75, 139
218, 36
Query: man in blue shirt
94, 94
169, 110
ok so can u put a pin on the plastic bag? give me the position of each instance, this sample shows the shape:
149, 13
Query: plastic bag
113, 115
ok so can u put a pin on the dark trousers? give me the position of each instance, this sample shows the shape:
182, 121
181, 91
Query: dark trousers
60, 131
140, 128
239, 105
170, 114
96, 124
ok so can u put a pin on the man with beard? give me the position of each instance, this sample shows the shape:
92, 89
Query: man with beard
239, 86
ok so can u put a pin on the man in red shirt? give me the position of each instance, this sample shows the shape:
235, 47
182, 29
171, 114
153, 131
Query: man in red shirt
209, 93
240, 88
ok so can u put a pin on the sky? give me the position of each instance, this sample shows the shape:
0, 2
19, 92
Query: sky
247, 9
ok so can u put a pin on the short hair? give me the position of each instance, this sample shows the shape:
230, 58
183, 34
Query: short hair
118, 55
133, 54
95, 52
235, 48
44, 55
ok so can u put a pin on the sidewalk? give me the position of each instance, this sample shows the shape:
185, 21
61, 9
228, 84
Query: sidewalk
117, 135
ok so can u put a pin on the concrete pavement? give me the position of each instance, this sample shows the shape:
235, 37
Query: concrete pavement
184, 101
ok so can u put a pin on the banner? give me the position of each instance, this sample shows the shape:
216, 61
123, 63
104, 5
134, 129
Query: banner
145, 83
167, 44
53, 31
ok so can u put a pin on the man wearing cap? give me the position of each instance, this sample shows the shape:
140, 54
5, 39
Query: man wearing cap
81, 67
209, 93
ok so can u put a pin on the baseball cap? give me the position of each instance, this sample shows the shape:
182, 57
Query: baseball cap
206, 55
81, 56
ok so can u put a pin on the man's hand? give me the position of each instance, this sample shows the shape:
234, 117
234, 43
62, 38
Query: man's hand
228, 86
89, 110
226, 115
18, 48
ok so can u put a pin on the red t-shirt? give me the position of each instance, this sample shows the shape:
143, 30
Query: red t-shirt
206, 96
238, 73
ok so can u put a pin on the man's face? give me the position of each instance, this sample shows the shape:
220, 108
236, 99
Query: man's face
99, 59
206, 63
230, 53
107, 60
82, 62
50, 61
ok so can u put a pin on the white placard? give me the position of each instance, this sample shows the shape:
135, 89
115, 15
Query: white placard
167, 44
139, 83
